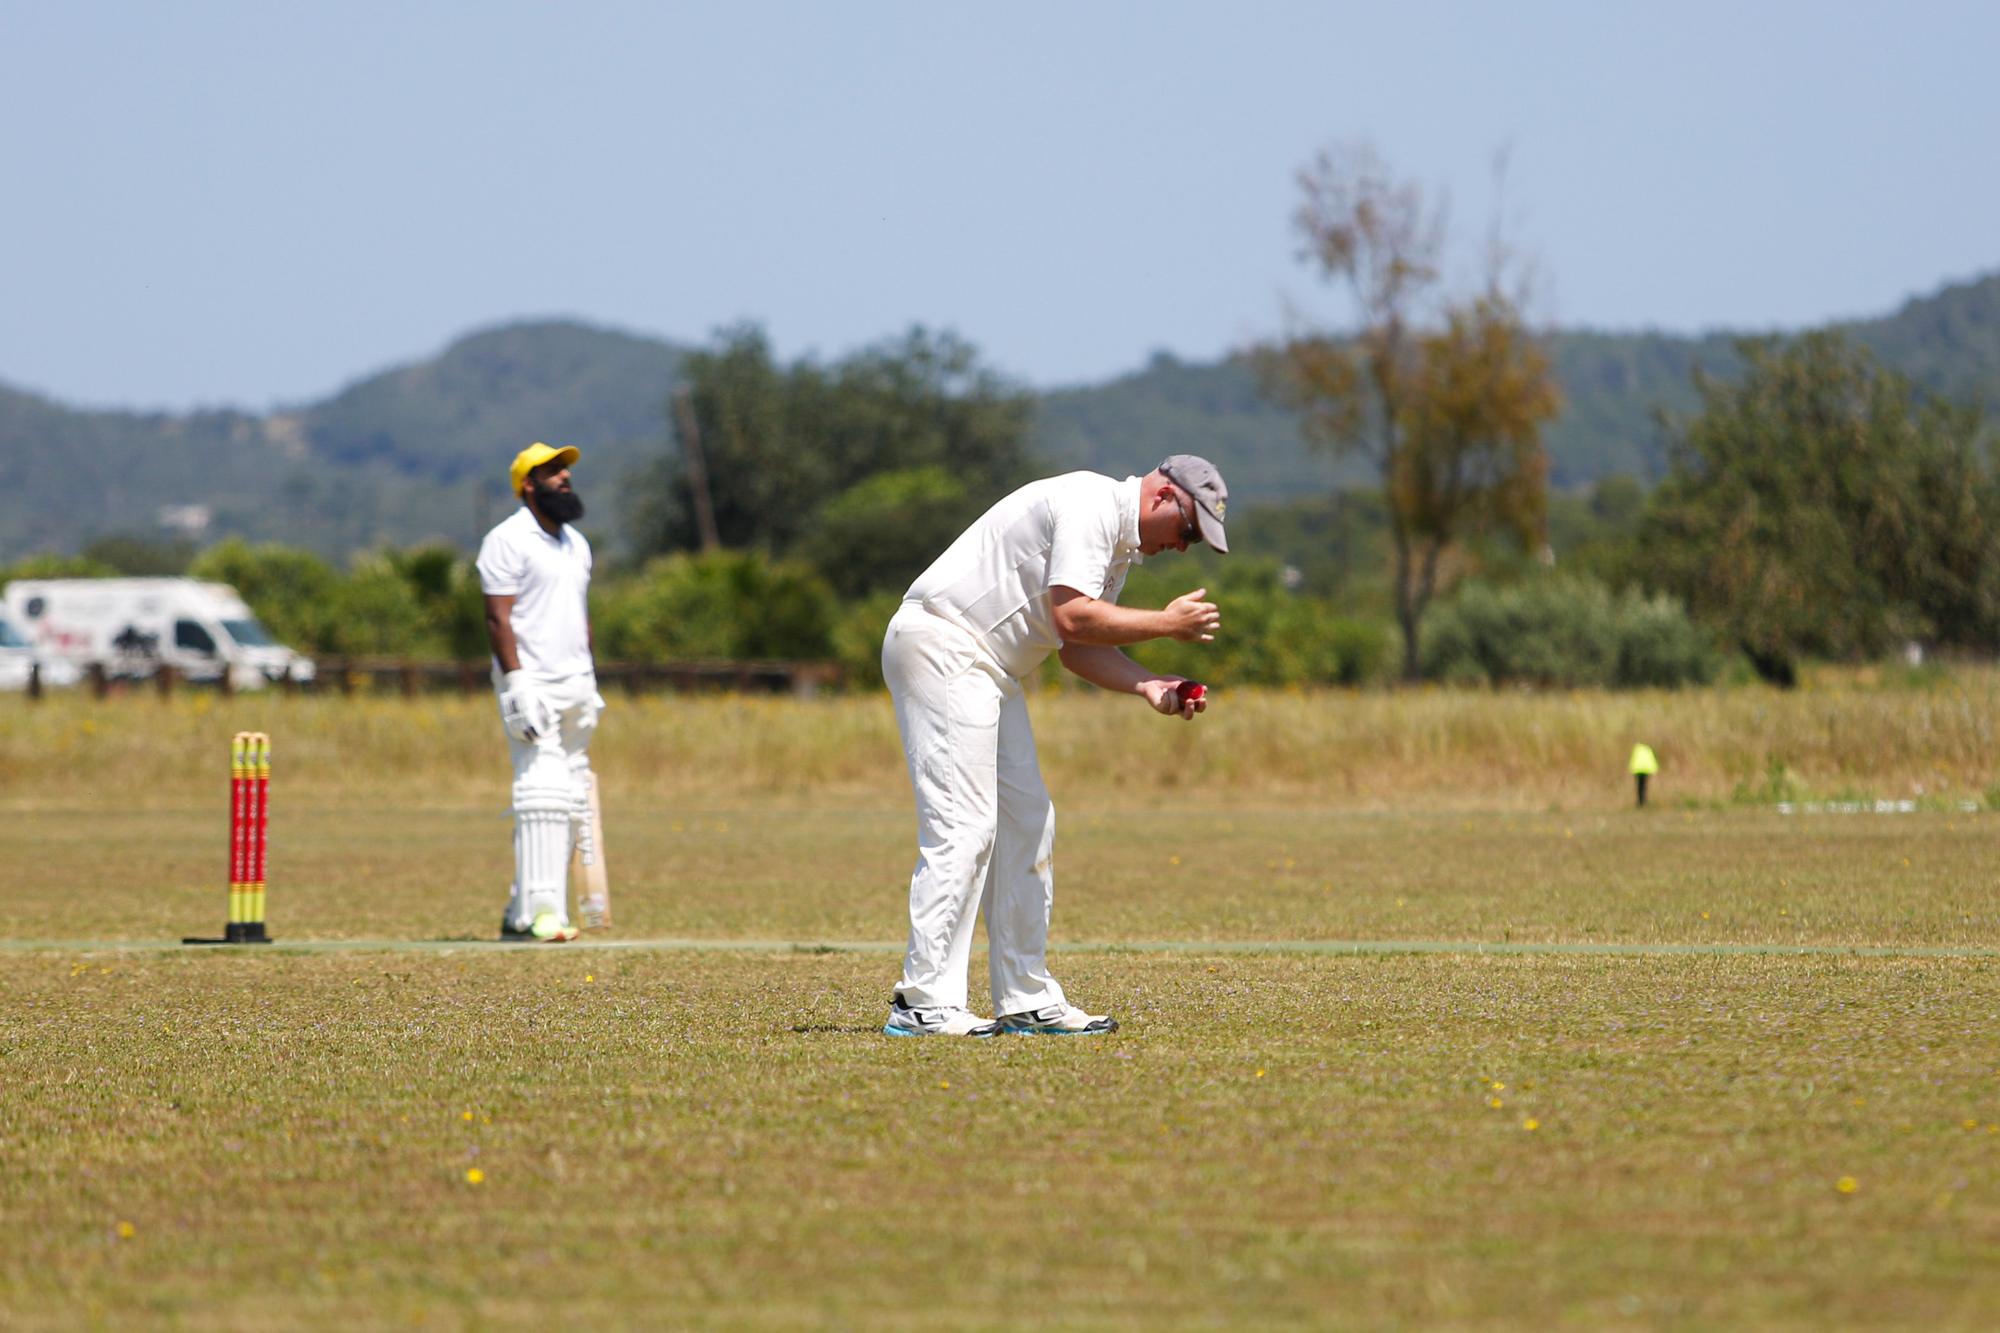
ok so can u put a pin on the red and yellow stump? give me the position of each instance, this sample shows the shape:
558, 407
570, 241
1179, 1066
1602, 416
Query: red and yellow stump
249, 838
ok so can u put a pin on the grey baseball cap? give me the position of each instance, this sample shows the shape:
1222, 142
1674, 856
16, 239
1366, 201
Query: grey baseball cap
1198, 477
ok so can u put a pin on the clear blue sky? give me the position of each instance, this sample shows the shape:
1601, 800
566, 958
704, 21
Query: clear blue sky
255, 203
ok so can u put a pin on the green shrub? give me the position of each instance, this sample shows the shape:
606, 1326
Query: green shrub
377, 613
52, 566
857, 638
721, 604
1658, 645
295, 593
447, 589
1563, 632
1270, 635
419, 603
879, 534
1311, 644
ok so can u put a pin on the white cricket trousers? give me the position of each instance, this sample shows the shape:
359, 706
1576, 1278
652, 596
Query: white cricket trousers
550, 797
984, 818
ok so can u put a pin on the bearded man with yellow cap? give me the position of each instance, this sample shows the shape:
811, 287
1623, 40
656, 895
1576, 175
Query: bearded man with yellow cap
535, 571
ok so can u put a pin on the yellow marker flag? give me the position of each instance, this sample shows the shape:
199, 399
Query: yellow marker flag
1643, 760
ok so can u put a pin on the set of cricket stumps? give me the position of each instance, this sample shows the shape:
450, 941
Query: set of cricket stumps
249, 838
250, 844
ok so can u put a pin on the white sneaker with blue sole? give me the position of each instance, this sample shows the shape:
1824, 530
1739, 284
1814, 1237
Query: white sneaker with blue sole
905, 1021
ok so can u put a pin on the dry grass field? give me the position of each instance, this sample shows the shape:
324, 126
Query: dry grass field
1423, 1024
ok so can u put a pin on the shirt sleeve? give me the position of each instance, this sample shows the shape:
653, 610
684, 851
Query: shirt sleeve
502, 571
1081, 548
1114, 583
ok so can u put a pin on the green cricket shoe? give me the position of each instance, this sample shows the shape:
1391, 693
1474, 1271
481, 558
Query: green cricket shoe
547, 928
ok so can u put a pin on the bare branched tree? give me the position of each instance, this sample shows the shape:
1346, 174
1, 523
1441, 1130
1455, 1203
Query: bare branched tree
1446, 397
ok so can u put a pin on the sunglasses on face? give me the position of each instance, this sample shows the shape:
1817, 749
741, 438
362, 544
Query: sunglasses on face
1190, 534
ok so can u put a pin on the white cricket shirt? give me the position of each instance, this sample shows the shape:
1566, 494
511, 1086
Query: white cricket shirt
549, 580
1079, 530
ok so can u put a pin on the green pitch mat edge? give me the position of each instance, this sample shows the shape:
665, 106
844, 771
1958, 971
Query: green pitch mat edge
1353, 947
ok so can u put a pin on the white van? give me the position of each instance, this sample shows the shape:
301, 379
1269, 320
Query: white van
132, 627
17, 657
18, 660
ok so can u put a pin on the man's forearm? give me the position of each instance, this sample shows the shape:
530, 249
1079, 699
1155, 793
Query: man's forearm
500, 633
1105, 667
505, 651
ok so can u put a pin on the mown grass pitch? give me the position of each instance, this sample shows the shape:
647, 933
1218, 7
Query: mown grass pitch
418, 1134
719, 1138
350, 868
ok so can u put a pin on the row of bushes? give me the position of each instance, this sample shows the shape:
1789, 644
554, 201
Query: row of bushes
1565, 632
1544, 632
1548, 631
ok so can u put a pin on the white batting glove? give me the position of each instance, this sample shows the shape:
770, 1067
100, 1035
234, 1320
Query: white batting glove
523, 712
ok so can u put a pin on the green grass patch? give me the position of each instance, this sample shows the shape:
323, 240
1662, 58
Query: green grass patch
839, 873
718, 1136
263, 1139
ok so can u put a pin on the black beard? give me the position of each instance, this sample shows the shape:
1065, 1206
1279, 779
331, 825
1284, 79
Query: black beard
558, 506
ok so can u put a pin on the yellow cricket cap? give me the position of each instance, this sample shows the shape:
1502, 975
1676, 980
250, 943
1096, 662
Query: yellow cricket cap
533, 457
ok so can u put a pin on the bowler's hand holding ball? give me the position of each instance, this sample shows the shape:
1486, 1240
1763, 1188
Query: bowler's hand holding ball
1185, 697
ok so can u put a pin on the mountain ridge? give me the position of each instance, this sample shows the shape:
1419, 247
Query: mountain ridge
414, 452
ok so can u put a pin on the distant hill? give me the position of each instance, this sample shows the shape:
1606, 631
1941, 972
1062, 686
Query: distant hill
416, 453
1614, 385
1216, 410
1611, 385
412, 454
1948, 343
445, 419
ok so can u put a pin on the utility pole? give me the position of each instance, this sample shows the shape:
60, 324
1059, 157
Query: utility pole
697, 470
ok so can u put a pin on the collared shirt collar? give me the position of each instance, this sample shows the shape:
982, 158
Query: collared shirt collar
561, 535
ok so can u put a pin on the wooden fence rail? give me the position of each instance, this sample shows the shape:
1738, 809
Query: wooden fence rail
410, 677
804, 679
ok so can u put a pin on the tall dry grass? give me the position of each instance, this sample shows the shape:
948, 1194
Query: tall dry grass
1844, 736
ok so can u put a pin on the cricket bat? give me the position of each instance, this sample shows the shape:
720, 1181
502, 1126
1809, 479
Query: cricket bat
593, 885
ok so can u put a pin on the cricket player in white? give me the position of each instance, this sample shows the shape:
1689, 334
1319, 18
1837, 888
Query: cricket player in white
1040, 572
535, 571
